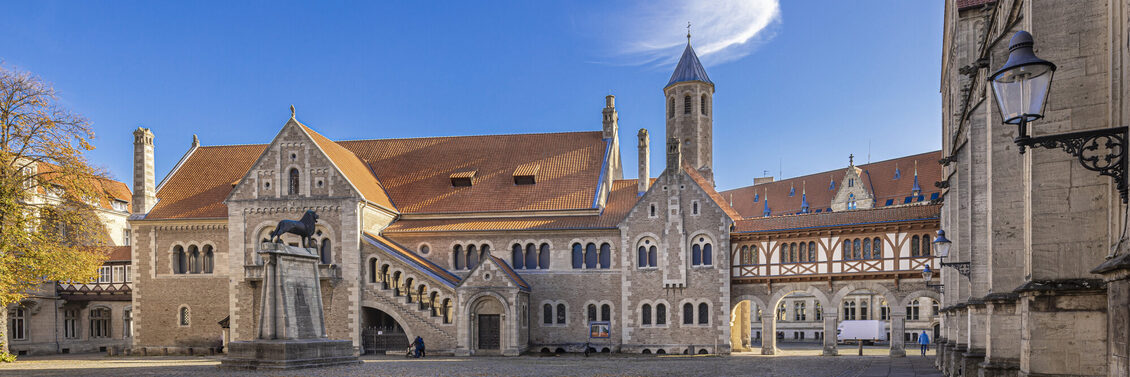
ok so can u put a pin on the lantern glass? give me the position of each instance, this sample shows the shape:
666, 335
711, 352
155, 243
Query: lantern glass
927, 274
1022, 92
941, 245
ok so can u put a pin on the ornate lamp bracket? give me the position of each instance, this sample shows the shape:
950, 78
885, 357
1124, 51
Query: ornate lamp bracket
1102, 150
961, 267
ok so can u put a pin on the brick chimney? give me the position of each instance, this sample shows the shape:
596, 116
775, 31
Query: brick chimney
144, 191
644, 179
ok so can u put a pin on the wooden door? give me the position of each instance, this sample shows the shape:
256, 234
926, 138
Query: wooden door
489, 331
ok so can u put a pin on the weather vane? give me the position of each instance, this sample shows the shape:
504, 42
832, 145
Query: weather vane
688, 31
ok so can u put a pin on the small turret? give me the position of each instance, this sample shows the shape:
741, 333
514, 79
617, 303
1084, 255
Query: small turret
144, 191
644, 180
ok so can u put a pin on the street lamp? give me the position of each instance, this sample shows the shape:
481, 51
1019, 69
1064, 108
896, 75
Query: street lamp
942, 245
1022, 87
928, 274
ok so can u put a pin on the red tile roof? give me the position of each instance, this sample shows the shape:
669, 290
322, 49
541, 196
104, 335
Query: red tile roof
353, 169
877, 176
838, 219
621, 200
114, 190
198, 188
119, 253
413, 175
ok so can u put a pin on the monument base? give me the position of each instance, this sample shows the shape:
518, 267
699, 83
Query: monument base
289, 354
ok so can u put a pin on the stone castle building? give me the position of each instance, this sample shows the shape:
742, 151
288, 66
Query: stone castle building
483, 245
1046, 293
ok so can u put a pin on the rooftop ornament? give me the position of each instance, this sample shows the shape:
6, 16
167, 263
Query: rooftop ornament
1022, 87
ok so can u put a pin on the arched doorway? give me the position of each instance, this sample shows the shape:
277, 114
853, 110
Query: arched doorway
799, 322
381, 332
488, 317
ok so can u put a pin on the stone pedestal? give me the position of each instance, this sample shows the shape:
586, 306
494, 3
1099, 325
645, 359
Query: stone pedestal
292, 330
898, 327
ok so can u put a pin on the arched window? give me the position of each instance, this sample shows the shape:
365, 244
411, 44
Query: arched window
209, 259
799, 313
703, 314
484, 252
184, 318
914, 252
912, 311
866, 248
590, 255
421, 296
408, 289
517, 260
688, 314
708, 254
605, 255
578, 256
531, 256
696, 254
432, 301
645, 315
855, 252
561, 314
372, 270
687, 104
605, 312
670, 109
543, 257
851, 183
811, 251
642, 256
845, 251
292, 188
446, 310
193, 259
326, 251
660, 314
547, 314
876, 248
926, 245
592, 312
384, 277
472, 256
396, 283
863, 310
457, 257
803, 255
792, 252
701, 252
704, 105
849, 310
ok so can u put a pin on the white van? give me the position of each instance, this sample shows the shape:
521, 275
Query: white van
868, 331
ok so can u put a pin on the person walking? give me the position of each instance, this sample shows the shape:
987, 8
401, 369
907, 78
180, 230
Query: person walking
924, 342
419, 344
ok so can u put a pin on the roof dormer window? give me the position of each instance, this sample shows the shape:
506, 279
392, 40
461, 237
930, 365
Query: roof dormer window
526, 174
463, 178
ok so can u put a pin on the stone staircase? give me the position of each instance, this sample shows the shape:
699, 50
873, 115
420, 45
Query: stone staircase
411, 312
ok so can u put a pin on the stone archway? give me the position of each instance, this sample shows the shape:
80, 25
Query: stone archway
769, 316
488, 323
896, 319
383, 328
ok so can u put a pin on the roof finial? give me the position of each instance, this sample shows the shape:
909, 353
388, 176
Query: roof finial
688, 32
195, 141
292, 111
851, 160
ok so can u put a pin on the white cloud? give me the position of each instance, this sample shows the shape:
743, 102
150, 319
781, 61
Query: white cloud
721, 30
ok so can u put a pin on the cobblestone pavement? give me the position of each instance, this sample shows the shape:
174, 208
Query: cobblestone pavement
742, 364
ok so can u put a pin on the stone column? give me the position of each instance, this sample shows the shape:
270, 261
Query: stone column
768, 332
831, 325
898, 327
1116, 273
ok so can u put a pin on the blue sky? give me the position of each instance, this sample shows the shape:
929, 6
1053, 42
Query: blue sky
799, 85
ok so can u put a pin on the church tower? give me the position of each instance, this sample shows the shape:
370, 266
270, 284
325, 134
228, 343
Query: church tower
689, 95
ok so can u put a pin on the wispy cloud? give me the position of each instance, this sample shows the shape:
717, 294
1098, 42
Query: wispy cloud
722, 30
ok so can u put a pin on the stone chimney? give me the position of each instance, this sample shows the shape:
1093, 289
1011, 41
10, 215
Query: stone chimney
144, 191
611, 119
674, 155
644, 179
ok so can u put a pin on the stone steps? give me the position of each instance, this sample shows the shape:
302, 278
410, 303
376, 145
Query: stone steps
411, 310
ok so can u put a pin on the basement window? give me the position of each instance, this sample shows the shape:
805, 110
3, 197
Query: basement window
463, 178
526, 174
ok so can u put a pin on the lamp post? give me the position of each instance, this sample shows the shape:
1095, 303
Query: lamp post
1022, 86
928, 274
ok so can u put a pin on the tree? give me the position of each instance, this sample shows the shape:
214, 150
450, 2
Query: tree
48, 231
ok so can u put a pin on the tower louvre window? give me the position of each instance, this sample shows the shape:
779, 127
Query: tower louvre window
687, 104
671, 108
463, 178
703, 106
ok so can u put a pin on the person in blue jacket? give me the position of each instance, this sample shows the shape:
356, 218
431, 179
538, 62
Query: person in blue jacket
924, 341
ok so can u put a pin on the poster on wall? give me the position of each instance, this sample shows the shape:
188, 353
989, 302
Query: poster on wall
600, 330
